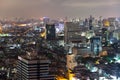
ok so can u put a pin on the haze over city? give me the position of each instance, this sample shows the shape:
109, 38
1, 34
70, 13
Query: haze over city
59, 40
60, 8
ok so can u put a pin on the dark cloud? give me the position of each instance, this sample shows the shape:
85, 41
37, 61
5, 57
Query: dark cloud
59, 8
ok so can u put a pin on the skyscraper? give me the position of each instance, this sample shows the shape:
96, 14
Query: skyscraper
96, 45
50, 32
34, 68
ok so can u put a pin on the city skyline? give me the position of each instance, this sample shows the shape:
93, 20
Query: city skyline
60, 8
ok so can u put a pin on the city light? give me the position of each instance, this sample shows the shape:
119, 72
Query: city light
73, 78
69, 44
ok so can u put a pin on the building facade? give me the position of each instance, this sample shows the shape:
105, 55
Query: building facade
33, 69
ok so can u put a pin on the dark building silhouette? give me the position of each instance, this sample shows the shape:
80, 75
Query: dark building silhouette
3, 75
90, 22
50, 32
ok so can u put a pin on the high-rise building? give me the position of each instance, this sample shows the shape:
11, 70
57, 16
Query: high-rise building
91, 22
50, 32
73, 32
105, 37
34, 68
116, 34
96, 45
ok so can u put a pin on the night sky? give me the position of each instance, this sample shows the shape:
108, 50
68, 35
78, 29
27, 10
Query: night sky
60, 8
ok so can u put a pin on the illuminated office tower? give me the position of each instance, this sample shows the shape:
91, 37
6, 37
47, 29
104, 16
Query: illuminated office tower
96, 45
